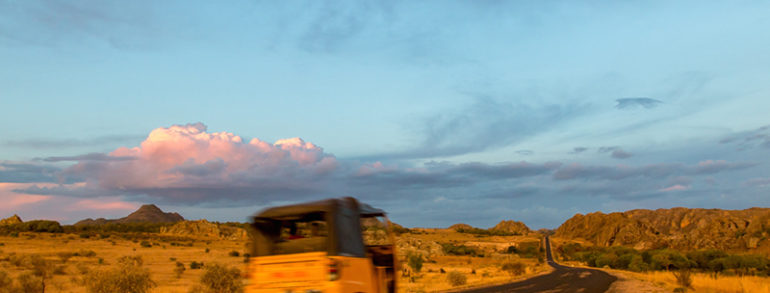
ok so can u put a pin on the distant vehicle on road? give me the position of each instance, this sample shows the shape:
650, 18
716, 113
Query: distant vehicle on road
334, 245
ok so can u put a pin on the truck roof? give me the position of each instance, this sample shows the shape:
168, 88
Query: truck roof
327, 205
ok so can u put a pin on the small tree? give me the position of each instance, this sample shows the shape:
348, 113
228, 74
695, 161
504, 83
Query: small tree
415, 261
456, 278
683, 278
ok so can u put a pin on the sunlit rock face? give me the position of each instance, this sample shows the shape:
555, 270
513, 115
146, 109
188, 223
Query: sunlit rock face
679, 228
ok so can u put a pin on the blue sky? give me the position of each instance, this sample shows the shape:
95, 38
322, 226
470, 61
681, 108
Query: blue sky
438, 111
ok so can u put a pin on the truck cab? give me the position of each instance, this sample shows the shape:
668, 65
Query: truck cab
333, 245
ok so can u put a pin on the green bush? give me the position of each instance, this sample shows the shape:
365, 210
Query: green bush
414, 261
196, 265
456, 278
452, 249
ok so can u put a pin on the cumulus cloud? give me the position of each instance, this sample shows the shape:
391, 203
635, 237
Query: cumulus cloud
185, 162
628, 103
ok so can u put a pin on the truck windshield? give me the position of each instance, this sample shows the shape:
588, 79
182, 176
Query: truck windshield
288, 236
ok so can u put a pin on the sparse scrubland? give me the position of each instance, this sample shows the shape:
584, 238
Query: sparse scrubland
444, 259
137, 255
703, 270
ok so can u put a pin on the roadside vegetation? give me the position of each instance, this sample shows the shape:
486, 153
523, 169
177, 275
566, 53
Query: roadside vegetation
714, 262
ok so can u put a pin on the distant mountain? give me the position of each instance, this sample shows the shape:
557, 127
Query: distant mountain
12, 220
145, 214
680, 228
461, 227
512, 227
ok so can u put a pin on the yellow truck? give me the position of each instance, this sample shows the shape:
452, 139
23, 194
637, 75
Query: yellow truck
333, 245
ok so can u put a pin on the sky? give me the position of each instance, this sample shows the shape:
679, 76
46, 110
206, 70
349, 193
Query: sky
439, 112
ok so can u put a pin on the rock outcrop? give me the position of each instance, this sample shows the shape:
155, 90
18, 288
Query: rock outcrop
461, 227
12, 220
511, 227
148, 213
205, 229
679, 228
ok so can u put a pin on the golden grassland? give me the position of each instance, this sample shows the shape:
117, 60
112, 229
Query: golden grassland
161, 259
702, 282
480, 271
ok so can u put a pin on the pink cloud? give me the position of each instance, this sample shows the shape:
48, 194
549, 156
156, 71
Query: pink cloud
677, 187
109, 204
183, 157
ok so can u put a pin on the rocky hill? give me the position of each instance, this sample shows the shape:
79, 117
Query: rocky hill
512, 227
680, 228
148, 213
461, 227
206, 229
12, 220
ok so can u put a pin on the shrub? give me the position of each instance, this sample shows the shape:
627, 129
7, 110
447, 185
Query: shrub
219, 278
146, 244
85, 235
456, 278
234, 253
60, 270
415, 261
127, 277
30, 283
65, 256
683, 278
179, 269
5, 280
131, 260
85, 253
452, 249
514, 268
207, 250
196, 265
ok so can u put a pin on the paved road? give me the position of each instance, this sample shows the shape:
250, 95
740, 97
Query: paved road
562, 279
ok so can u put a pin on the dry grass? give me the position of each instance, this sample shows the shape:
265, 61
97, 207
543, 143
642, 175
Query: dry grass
73, 256
156, 258
488, 270
704, 283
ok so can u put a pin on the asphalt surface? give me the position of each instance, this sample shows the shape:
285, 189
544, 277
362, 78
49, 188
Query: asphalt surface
562, 279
